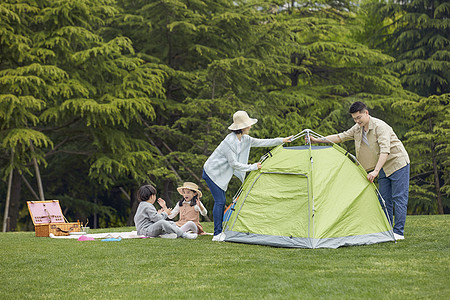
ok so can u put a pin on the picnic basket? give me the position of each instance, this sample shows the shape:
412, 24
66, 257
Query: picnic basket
48, 218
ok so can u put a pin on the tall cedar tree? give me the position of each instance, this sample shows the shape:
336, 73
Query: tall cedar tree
333, 68
63, 85
429, 145
416, 33
292, 67
208, 49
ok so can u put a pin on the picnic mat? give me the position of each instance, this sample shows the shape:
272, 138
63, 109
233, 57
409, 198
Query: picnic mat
106, 235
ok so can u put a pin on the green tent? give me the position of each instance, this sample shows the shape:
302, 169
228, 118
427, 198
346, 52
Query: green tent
307, 197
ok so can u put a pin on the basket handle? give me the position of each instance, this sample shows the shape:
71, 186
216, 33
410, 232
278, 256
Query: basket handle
65, 231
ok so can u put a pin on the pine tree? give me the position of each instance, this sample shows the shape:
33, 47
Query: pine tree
428, 143
24, 85
329, 69
69, 88
208, 50
416, 33
291, 68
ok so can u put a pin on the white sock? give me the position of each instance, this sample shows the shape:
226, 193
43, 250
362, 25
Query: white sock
190, 236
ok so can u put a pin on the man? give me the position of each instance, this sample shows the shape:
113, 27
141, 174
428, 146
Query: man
382, 154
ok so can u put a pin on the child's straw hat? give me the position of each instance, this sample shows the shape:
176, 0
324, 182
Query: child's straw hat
191, 186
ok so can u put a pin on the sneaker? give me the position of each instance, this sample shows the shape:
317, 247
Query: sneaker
168, 236
190, 236
219, 237
398, 236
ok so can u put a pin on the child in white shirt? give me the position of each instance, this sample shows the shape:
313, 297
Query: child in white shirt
189, 207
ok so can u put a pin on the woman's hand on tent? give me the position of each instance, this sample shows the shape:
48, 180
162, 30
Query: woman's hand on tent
288, 139
259, 165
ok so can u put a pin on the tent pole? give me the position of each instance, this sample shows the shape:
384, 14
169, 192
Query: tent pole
313, 209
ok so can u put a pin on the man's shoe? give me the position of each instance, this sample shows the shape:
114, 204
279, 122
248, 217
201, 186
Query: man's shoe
398, 236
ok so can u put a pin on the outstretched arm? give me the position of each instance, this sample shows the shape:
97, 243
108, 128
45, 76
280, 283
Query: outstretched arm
287, 139
329, 138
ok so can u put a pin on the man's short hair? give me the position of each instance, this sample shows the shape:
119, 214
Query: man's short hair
357, 107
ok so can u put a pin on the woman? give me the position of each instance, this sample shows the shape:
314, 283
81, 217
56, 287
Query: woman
231, 157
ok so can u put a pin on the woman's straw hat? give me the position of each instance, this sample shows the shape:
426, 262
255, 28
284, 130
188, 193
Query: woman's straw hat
191, 186
241, 120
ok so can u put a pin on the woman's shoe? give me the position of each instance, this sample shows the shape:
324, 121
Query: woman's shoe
219, 237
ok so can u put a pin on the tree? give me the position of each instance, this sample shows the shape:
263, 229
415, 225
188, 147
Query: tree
208, 50
416, 34
330, 68
293, 67
429, 144
23, 85
80, 94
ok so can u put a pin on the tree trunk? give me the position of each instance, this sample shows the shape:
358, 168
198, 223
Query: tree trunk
437, 184
297, 60
14, 205
38, 175
8, 200
133, 206
166, 193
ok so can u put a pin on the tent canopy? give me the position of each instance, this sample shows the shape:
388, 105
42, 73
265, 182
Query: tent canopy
307, 197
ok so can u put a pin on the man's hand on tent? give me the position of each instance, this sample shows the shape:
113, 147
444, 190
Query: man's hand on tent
315, 140
372, 175
381, 160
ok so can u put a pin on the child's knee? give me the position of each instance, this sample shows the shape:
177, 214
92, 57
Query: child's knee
160, 222
192, 226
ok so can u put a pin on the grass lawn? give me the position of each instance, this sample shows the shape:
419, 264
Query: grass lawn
44, 268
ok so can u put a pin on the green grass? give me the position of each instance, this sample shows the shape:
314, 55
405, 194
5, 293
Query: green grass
44, 268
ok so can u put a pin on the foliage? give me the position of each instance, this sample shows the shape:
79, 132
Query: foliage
331, 69
75, 95
114, 94
416, 33
429, 140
